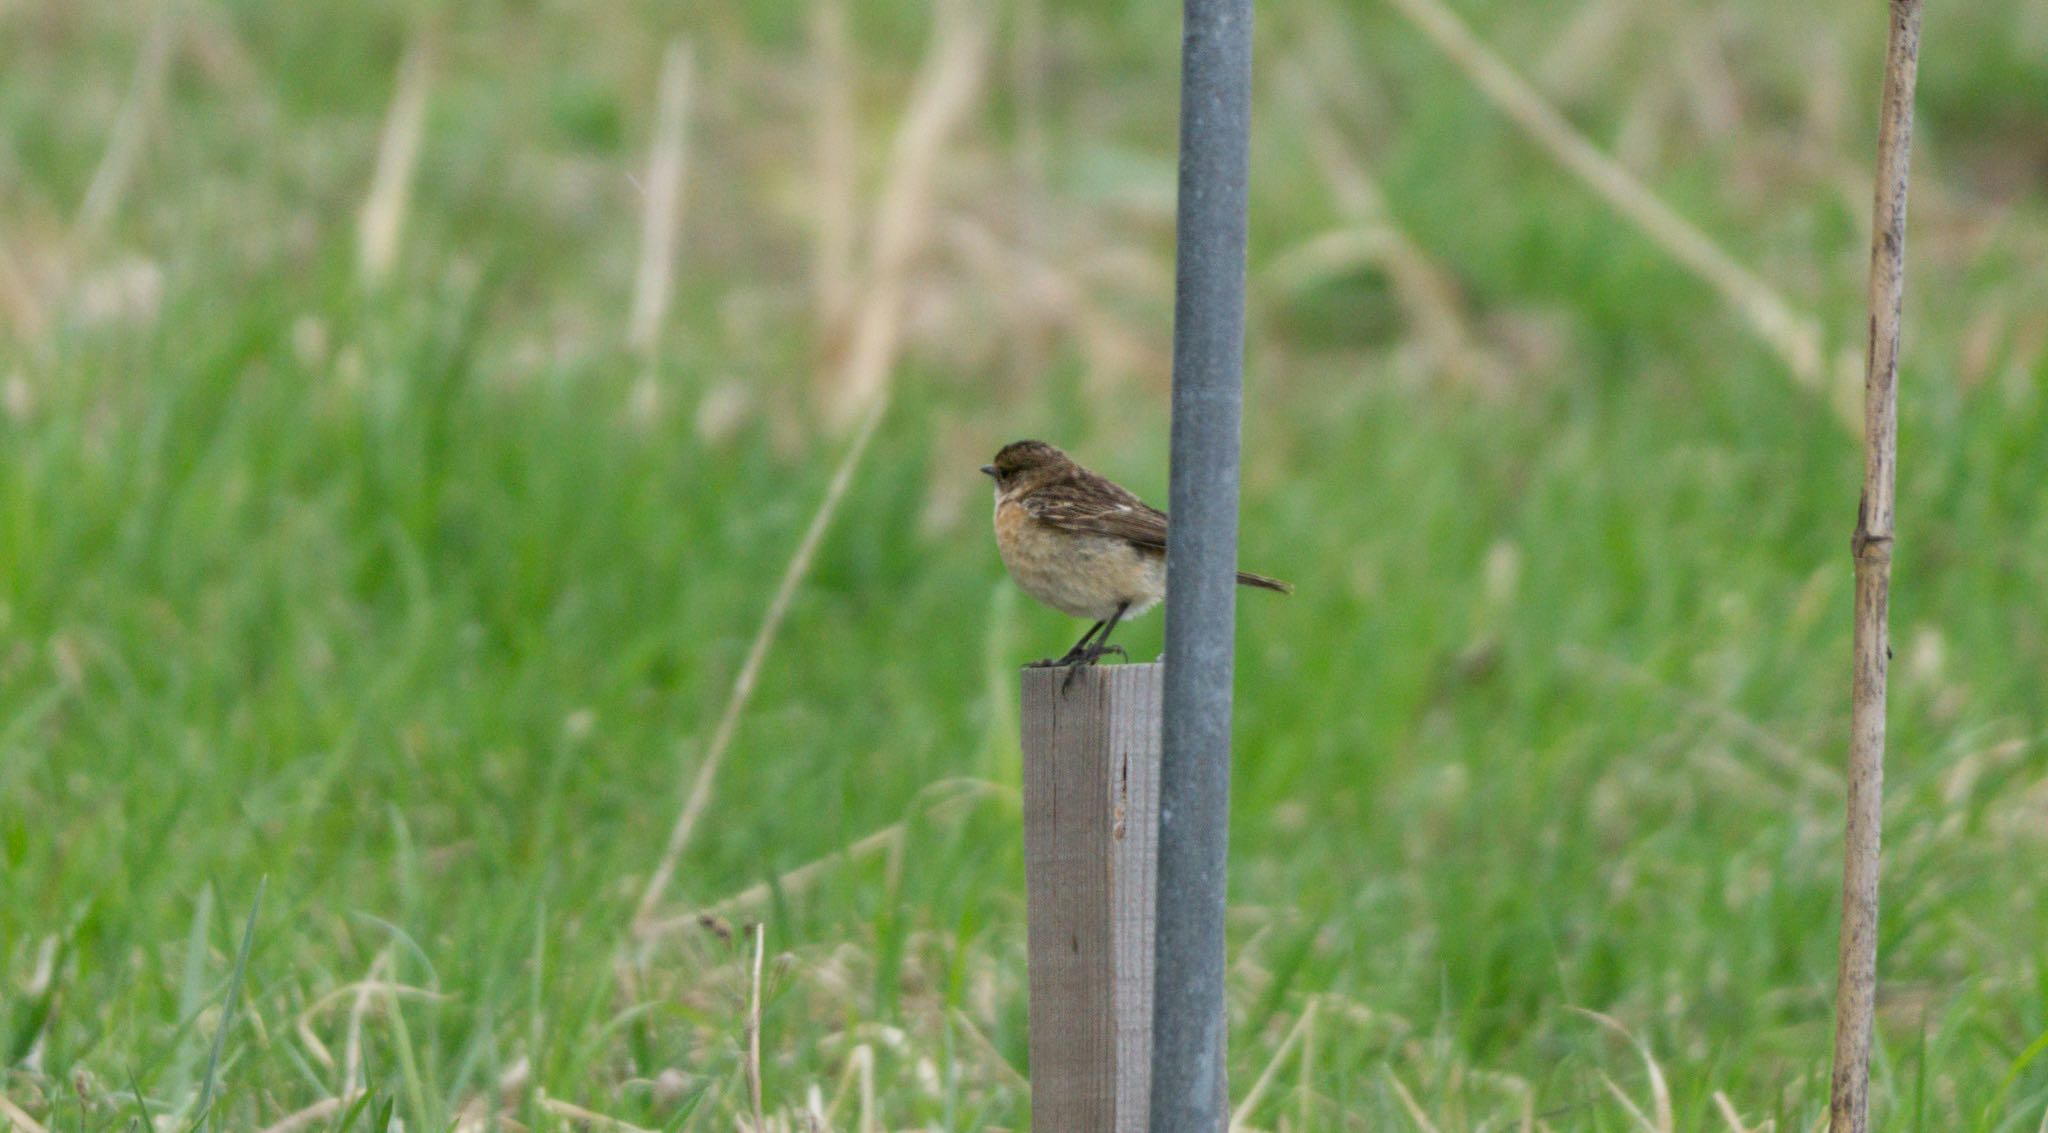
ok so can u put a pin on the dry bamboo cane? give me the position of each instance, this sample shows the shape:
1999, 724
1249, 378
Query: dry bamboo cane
1856, 978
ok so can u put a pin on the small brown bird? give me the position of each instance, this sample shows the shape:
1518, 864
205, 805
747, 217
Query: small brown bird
1082, 545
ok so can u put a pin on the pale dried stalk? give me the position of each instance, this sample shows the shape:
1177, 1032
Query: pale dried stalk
859, 1074
946, 86
318, 1111
1856, 975
662, 214
573, 1112
1408, 1103
1726, 1109
1296, 1035
754, 1029
1793, 335
124, 146
1027, 338
21, 1121
382, 221
1428, 296
1586, 46
19, 305
799, 879
750, 669
837, 171
352, 1050
945, 89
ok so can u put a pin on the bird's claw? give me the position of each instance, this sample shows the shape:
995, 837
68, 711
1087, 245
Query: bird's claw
1075, 662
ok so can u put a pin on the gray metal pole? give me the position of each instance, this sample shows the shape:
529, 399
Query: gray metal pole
1188, 1089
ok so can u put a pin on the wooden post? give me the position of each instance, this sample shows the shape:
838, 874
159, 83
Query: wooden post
1091, 821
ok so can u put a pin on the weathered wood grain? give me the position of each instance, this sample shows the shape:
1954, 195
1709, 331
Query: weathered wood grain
1091, 820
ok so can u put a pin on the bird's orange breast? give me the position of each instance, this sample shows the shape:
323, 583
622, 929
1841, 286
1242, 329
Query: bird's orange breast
1084, 575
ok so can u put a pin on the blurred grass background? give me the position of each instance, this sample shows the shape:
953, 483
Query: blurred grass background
417, 589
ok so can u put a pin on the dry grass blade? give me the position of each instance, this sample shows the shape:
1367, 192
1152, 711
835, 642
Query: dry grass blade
1660, 1091
1621, 1098
21, 1121
1295, 1037
1728, 1114
1584, 50
837, 172
19, 305
987, 1047
382, 221
1793, 335
750, 669
131, 127
1788, 756
1428, 297
946, 87
662, 217
569, 1111
352, 1050
318, 1111
944, 90
754, 1029
859, 1074
953, 794
1408, 1103
1871, 546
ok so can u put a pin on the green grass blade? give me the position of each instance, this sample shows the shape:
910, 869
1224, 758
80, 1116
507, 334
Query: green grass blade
227, 1015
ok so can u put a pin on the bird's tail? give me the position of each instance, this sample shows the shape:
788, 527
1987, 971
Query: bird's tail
1247, 578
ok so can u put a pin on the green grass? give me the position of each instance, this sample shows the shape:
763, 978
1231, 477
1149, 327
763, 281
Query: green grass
406, 602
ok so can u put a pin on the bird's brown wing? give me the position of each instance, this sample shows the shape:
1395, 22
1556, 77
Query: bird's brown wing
1091, 505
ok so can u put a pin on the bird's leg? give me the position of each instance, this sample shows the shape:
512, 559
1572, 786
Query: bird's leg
1093, 653
1073, 654
1080, 648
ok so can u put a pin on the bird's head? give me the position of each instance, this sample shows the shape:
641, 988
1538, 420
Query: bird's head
1023, 462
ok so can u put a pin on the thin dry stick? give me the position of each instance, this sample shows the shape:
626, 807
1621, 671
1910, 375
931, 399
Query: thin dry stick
318, 1111
1856, 975
1660, 1092
1295, 1036
754, 1029
949, 79
1408, 1103
1634, 1111
662, 216
1793, 335
131, 127
750, 670
1028, 59
352, 1049
1305, 1074
859, 1074
987, 1046
800, 878
1728, 1114
382, 221
946, 87
577, 1113
21, 1121
837, 172
19, 306
1426, 293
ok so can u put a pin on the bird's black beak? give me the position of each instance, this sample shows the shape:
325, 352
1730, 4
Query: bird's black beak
988, 470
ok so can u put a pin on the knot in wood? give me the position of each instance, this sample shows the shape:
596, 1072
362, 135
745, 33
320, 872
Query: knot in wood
1870, 547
